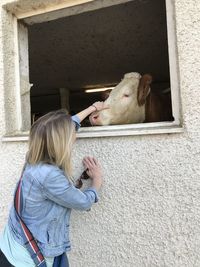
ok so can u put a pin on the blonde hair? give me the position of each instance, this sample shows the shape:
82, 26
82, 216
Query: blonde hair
51, 139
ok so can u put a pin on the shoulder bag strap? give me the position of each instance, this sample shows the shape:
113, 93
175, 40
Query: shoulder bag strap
30, 242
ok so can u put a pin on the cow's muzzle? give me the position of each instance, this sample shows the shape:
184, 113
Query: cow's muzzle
94, 118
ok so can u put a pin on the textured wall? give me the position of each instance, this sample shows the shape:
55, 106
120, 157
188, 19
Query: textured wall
149, 211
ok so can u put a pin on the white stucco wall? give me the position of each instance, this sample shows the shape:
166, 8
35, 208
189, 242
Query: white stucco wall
149, 211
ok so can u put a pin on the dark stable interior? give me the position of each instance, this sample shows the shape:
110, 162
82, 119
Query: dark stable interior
95, 49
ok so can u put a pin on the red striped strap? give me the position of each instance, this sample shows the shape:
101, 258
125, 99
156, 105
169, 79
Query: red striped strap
29, 240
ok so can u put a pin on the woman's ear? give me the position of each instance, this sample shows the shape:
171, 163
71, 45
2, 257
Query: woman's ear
144, 89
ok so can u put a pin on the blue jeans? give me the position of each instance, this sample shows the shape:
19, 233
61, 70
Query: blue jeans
61, 261
3, 261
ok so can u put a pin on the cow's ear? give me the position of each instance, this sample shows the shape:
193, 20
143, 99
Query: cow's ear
144, 89
105, 94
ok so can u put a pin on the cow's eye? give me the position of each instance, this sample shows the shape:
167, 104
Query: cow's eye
126, 95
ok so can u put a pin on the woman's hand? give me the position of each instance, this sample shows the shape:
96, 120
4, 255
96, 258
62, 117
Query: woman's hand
97, 106
100, 105
94, 171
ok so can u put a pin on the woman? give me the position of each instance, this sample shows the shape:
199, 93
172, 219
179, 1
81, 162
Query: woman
48, 194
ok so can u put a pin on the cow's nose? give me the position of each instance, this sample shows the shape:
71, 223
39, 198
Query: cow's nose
93, 118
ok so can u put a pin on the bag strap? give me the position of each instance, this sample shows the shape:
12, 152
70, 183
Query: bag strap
30, 242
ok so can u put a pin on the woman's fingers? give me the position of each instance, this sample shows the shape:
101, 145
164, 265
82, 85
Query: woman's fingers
87, 162
93, 168
101, 105
90, 162
106, 106
95, 161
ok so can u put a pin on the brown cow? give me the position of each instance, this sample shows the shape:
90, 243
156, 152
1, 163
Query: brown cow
133, 101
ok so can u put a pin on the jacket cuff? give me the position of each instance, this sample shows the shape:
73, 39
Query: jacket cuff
77, 122
92, 189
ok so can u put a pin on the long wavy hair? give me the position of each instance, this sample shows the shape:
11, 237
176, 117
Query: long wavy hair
51, 139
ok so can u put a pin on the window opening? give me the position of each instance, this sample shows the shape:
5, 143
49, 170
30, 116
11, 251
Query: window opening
95, 49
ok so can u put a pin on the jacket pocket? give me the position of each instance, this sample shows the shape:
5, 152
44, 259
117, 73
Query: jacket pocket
57, 234
66, 233
51, 233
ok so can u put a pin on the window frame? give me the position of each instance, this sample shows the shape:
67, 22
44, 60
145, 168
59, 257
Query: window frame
97, 131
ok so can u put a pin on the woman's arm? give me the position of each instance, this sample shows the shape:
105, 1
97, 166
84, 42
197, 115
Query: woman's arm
57, 188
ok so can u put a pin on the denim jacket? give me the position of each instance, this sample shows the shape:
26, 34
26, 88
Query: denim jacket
47, 200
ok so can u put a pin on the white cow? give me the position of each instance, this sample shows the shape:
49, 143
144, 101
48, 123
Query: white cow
132, 101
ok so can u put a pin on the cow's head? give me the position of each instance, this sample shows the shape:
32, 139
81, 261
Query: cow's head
126, 101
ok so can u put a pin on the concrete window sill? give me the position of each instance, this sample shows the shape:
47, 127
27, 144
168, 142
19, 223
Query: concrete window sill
112, 130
